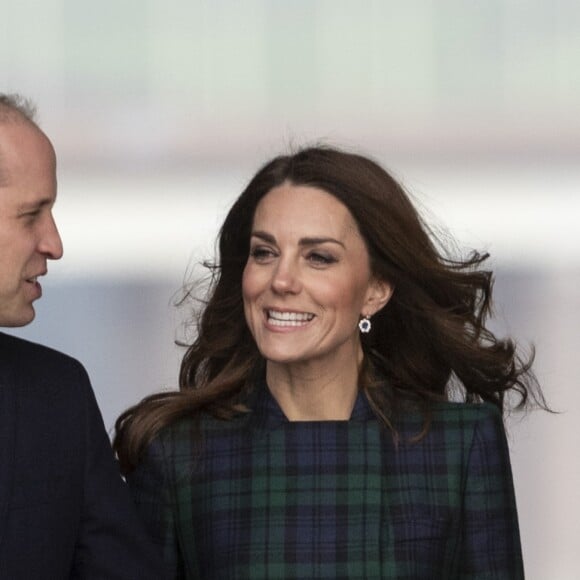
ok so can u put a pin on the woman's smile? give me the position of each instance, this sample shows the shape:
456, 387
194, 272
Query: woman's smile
288, 319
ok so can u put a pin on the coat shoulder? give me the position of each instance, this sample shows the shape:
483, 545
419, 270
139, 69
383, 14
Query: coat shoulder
466, 412
450, 419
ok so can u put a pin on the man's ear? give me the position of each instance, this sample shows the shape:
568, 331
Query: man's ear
378, 295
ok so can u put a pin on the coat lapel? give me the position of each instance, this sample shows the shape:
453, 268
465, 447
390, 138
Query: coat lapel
7, 445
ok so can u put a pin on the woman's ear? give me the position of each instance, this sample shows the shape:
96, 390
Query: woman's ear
378, 295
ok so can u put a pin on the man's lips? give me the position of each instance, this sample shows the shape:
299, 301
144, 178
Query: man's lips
34, 279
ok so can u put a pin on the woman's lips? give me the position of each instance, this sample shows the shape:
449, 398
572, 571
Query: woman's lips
283, 318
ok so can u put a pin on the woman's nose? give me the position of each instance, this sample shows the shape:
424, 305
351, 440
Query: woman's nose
286, 277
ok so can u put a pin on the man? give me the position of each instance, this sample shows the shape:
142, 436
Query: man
64, 509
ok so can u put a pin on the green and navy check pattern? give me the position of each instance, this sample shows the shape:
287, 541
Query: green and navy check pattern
262, 498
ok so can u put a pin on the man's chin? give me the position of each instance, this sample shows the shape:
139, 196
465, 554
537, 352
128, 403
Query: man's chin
16, 319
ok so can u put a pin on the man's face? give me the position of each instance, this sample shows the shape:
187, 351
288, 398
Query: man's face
28, 234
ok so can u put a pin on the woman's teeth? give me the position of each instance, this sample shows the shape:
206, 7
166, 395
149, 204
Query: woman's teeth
289, 318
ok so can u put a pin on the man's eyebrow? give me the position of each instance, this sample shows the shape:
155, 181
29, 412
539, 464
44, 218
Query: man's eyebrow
309, 241
36, 204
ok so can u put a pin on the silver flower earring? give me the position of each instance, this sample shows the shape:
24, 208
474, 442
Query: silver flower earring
365, 325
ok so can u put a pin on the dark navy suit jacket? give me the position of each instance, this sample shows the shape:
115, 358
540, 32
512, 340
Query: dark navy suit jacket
64, 510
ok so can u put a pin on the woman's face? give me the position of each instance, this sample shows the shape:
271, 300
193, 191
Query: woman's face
307, 279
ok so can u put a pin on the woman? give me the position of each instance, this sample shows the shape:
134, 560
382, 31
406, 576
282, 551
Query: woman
313, 434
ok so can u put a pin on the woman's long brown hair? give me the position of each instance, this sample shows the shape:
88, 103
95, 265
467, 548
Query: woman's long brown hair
431, 337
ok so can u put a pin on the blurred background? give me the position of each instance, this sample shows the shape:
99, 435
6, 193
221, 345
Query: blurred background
161, 111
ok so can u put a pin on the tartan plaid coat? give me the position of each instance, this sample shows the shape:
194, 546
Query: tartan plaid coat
259, 497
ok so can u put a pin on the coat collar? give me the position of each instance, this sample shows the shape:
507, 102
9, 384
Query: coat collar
267, 414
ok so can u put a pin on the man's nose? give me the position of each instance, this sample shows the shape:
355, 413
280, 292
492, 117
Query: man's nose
50, 243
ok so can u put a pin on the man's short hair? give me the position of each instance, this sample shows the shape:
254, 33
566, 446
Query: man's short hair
14, 106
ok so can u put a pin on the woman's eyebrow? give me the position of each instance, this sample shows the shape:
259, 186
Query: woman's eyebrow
313, 241
308, 241
264, 236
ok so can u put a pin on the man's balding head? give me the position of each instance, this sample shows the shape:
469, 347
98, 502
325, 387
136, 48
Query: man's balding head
28, 233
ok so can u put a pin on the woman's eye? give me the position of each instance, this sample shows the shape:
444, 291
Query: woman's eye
320, 259
261, 254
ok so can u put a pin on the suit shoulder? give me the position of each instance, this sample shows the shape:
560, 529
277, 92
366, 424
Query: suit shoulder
15, 348
30, 366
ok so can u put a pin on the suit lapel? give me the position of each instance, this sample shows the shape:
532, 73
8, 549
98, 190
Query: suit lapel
7, 444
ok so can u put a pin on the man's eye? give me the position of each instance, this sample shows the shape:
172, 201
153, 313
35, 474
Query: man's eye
30, 215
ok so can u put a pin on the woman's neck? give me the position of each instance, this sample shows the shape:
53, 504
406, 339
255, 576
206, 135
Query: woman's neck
314, 392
